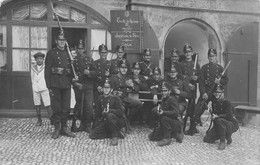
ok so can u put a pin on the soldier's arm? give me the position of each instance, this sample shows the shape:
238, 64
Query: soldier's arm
224, 79
117, 108
93, 69
173, 108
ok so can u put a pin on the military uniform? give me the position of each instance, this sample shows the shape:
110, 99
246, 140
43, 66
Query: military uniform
108, 125
224, 125
115, 63
102, 65
146, 68
87, 81
168, 64
168, 122
58, 77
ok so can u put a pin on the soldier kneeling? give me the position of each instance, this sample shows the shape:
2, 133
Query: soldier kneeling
224, 122
109, 117
169, 124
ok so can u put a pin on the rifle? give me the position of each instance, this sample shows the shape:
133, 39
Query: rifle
66, 43
203, 102
211, 121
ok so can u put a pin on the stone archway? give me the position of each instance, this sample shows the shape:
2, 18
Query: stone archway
197, 33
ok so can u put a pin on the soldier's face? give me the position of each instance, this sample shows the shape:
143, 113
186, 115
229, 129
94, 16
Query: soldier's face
73, 53
147, 57
188, 53
107, 90
165, 93
218, 94
212, 58
39, 60
156, 76
103, 55
61, 44
173, 74
120, 54
136, 71
123, 70
174, 57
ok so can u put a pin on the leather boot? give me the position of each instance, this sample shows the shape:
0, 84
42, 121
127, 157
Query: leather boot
38, 111
88, 127
57, 128
222, 145
114, 141
65, 132
82, 126
192, 130
229, 139
164, 142
180, 135
74, 125
50, 113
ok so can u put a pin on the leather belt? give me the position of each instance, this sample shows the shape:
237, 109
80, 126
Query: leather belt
58, 70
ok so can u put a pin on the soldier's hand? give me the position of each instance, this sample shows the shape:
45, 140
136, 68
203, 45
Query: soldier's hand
74, 80
205, 96
214, 116
192, 87
51, 93
104, 113
146, 77
80, 86
176, 91
195, 78
107, 73
160, 112
155, 99
100, 89
86, 72
217, 81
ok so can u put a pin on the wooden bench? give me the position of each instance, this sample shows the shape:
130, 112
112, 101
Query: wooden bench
144, 96
242, 113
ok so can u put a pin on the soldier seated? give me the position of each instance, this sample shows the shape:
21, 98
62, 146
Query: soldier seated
109, 116
168, 123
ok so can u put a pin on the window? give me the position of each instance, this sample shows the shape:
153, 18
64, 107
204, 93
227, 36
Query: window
37, 11
26, 42
3, 48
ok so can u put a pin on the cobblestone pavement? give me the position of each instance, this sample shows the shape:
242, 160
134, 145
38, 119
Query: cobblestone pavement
21, 142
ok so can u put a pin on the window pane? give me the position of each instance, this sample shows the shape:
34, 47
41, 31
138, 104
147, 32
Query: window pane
98, 37
21, 60
3, 15
77, 16
39, 11
94, 21
2, 36
20, 36
21, 13
63, 12
33, 52
38, 37
3, 60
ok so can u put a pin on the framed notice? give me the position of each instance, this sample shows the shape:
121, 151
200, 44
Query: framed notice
127, 30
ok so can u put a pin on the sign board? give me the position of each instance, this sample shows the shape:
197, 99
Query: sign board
127, 30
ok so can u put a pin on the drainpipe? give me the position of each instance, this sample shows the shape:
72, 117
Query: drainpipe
129, 5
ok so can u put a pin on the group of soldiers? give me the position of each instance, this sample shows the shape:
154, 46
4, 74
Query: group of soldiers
105, 93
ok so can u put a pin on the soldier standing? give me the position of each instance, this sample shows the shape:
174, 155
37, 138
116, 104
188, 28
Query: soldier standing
146, 65
121, 55
58, 77
169, 123
109, 116
84, 90
190, 74
224, 122
40, 90
210, 77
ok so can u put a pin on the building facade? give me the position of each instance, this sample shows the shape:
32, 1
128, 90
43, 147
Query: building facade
230, 26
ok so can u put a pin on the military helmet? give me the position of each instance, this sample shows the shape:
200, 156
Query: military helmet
81, 44
122, 64
173, 69
39, 54
61, 36
147, 52
102, 48
174, 50
107, 84
157, 71
136, 65
212, 51
164, 86
187, 47
120, 48
219, 89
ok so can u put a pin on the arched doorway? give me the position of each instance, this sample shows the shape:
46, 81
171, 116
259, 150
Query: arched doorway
195, 32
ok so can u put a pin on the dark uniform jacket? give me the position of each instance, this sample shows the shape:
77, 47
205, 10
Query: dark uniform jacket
170, 107
119, 84
187, 69
152, 82
223, 109
82, 63
146, 68
115, 64
58, 71
114, 104
209, 72
102, 66
182, 86
139, 83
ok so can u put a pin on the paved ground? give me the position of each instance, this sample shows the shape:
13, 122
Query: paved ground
21, 142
